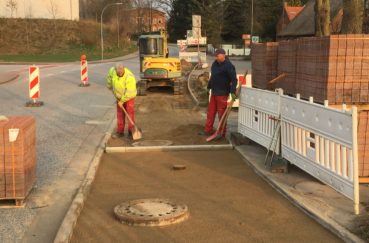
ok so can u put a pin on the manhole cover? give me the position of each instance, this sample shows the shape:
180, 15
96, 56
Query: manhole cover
151, 212
147, 143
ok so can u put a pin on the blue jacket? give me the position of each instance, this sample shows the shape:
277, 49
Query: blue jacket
223, 78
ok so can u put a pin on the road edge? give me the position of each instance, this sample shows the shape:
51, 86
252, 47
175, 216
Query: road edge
15, 76
326, 222
66, 228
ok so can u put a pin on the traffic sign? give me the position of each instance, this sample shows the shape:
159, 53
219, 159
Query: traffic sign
255, 39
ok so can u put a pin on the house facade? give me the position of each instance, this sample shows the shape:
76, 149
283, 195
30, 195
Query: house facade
144, 18
40, 9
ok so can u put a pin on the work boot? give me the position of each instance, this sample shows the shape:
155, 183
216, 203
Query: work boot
117, 135
130, 135
204, 133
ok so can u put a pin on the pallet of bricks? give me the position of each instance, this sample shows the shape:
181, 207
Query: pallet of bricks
336, 68
264, 64
287, 65
333, 68
17, 160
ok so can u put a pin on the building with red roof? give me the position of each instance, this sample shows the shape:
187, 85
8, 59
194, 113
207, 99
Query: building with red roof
288, 14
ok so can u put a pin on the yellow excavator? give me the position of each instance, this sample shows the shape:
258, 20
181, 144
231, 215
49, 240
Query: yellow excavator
156, 68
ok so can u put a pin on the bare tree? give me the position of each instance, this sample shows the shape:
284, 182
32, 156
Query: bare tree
13, 6
366, 17
164, 5
27, 15
352, 22
53, 9
322, 17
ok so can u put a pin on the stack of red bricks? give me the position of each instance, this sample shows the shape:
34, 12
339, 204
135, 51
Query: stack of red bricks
331, 68
334, 68
363, 143
287, 64
264, 58
348, 69
18, 158
312, 68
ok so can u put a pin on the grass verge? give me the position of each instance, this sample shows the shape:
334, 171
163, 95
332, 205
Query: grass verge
73, 55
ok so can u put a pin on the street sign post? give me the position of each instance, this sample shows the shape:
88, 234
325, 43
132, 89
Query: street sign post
255, 39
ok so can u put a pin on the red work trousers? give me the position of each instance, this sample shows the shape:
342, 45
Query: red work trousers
121, 116
217, 104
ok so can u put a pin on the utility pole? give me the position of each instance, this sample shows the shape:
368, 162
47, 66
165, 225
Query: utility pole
118, 22
101, 27
252, 19
71, 9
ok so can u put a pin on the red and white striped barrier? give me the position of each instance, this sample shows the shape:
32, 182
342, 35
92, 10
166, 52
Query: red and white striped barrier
34, 82
84, 73
34, 86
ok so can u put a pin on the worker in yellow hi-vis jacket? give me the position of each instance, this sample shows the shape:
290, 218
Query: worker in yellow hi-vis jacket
123, 84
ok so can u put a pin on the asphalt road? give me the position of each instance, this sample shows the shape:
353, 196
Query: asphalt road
69, 128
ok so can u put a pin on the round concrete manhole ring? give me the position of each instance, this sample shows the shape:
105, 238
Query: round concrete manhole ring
149, 143
151, 212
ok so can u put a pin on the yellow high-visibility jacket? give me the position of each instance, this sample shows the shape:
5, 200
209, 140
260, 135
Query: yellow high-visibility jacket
124, 88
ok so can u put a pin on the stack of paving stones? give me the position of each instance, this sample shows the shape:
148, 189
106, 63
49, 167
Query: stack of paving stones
312, 68
287, 65
17, 160
334, 68
264, 57
363, 143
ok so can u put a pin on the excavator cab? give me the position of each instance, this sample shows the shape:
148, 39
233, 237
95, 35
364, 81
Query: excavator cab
156, 68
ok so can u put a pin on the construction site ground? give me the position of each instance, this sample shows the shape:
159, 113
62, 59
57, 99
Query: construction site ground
227, 200
162, 116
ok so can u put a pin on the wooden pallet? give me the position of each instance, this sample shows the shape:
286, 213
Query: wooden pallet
12, 203
364, 180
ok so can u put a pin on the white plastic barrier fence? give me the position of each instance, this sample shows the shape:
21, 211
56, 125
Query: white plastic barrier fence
323, 142
320, 140
258, 114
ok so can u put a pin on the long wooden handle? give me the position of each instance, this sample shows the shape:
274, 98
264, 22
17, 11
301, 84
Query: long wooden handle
225, 116
125, 112
277, 78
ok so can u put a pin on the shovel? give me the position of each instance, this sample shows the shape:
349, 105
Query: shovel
221, 126
136, 132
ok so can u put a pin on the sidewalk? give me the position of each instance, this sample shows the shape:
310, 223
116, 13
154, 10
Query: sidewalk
319, 201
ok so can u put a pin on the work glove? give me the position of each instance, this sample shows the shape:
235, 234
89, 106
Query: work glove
234, 96
120, 103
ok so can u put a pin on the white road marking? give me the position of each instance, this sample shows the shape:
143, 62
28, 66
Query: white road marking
95, 122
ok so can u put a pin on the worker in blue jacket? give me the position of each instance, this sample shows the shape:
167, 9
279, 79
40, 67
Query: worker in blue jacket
223, 82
